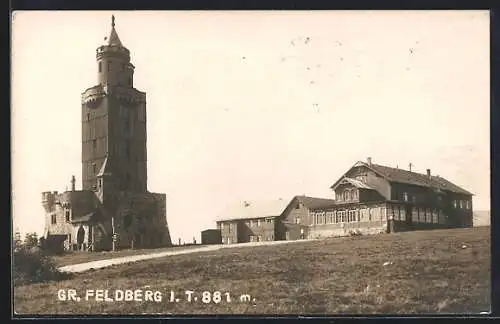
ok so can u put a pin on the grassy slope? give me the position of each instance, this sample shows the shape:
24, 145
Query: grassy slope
430, 273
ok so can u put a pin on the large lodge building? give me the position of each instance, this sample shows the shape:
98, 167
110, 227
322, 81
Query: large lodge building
369, 199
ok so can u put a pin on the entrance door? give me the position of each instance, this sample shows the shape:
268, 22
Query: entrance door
80, 237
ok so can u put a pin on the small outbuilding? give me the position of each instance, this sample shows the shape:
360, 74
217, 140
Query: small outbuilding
211, 236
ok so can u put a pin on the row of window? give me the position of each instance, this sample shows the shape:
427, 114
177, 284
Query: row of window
67, 217
249, 223
260, 238
349, 195
258, 222
110, 64
421, 215
397, 213
345, 216
462, 204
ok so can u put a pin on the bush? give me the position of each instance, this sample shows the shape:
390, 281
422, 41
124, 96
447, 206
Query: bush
355, 233
32, 265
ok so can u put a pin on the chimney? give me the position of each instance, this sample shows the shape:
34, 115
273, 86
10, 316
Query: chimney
429, 173
369, 161
73, 181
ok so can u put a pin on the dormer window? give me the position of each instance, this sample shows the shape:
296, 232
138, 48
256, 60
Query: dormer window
109, 65
405, 196
346, 195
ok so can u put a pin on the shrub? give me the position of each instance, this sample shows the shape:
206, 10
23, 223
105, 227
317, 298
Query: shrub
31, 265
355, 233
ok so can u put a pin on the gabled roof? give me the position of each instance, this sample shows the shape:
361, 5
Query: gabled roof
253, 209
354, 182
417, 179
315, 202
409, 177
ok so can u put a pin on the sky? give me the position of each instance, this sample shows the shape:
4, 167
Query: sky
257, 105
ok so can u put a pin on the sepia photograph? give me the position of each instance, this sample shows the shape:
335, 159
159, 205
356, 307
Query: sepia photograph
250, 162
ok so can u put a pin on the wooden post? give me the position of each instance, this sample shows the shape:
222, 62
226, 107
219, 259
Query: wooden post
93, 238
113, 232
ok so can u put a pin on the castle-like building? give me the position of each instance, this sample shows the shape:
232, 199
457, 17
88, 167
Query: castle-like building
114, 209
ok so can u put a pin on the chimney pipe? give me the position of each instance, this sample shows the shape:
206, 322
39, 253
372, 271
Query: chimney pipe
369, 161
429, 173
73, 181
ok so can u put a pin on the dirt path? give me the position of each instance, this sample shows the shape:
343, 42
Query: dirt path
81, 267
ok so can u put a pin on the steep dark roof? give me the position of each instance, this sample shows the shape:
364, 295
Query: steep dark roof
113, 38
92, 216
314, 202
418, 179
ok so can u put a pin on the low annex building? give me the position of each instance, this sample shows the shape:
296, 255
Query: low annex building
274, 220
368, 199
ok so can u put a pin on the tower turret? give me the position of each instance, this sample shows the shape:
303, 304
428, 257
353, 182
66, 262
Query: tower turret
114, 123
113, 61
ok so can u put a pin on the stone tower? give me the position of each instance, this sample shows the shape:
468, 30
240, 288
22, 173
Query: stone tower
114, 209
114, 151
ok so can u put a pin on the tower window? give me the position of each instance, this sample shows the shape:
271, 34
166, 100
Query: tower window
53, 218
88, 117
109, 65
94, 144
67, 213
94, 169
100, 67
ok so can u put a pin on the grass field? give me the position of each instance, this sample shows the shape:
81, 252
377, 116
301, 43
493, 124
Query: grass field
441, 271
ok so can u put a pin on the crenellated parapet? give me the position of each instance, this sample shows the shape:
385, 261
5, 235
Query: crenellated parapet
128, 95
93, 96
49, 200
112, 50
